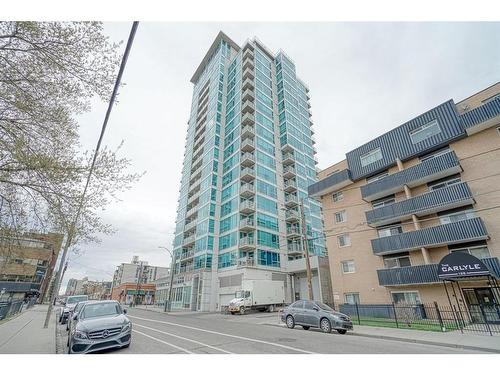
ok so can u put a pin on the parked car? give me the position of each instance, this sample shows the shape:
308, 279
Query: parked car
99, 325
315, 314
75, 311
68, 307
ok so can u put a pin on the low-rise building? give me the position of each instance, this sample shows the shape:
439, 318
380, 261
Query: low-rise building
127, 293
27, 263
397, 205
138, 271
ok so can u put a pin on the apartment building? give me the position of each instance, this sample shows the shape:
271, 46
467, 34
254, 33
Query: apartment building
397, 205
138, 271
27, 263
248, 162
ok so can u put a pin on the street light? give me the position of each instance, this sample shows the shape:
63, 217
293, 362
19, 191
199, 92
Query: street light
168, 305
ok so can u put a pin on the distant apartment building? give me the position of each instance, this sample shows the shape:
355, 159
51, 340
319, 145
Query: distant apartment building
162, 287
138, 271
397, 205
71, 287
27, 263
249, 159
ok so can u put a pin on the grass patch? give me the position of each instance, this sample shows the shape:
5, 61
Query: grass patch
422, 325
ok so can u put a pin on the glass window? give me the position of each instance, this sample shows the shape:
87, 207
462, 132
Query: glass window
383, 202
480, 252
340, 216
371, 157
442, 184
348, 266
344, 240
397, 262
425, 131
268, 258
338, 196
268, 205
308, 305
267, 189
389, 231
457, 216
435, 154
410, 298
377, 177
267, 239
298, 305
267, 221
351, 298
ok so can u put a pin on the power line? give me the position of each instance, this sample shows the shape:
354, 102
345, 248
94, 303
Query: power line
70, 234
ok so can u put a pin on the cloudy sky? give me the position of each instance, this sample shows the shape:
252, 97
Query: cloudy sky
365, 79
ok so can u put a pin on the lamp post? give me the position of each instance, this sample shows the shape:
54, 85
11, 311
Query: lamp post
168, 305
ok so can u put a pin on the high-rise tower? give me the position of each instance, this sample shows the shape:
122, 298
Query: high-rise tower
248, 162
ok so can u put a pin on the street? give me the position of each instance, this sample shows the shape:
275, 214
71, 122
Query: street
200, 333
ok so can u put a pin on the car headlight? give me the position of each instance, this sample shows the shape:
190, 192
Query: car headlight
80, 335
126, 327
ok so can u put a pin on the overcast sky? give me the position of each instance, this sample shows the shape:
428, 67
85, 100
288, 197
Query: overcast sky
364, 79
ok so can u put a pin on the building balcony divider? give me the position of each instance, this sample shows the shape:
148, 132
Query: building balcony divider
428, 170
446, 234
431, 202
423, 274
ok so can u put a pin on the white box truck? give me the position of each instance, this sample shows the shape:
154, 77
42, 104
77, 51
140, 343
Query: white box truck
259, 295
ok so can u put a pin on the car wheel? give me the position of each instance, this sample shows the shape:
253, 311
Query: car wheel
290, 322
342, 331
305, 328
242, 310
325, 325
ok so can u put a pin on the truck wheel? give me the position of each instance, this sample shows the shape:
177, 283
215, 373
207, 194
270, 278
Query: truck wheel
325, 325
290, 322
271, 308
242, 310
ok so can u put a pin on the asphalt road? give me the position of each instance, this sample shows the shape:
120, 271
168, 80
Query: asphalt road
155, 332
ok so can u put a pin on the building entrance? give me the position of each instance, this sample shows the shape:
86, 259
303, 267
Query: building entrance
483, 304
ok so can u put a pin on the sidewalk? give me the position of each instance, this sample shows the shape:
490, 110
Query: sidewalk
173, 312
25, 334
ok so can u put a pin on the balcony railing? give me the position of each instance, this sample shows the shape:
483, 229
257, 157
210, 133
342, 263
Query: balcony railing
446, 234
19, 286
481, 114
423, 274
331, 183
294, 248
437, 200
428, 170
247, 189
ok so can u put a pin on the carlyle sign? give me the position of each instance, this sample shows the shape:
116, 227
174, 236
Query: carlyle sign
460, 264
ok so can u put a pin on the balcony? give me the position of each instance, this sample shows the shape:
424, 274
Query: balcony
441, 235
19, 286
330, 184
248, 73
247, 107
293, 232
189, 240
247, 145
247, 207
248, 53
423, 274
291, 200
290, 186
248, 63
247, 131
190, 225
428, 170
294, 248
248, 95
246, 262
247, 174
289, 172
247, 190
434, 201
186, 255
247, 224
248, 84
248, 119
247, 159
288, 158
247, 243
292, 216
482, 117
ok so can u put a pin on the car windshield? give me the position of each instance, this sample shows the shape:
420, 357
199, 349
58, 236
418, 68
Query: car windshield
324, 307
76, 299
100, 309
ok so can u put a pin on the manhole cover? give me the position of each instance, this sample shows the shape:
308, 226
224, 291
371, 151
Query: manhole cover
284, 339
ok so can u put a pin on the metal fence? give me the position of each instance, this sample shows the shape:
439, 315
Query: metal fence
428, 317
13, 307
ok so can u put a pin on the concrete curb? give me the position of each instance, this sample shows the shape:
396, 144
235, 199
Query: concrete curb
427, 342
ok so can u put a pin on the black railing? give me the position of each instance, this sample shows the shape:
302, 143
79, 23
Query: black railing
10, 308
446, 234
427, 317
433, 201
427, 170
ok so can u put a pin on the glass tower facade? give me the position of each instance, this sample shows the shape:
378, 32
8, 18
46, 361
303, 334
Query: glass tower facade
248, 162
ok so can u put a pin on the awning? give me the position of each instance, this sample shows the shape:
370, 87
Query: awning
460, 265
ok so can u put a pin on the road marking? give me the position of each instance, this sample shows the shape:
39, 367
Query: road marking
226, 334
163, 342
184, 338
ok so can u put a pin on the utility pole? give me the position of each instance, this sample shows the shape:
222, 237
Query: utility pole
168, 302
305, 245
